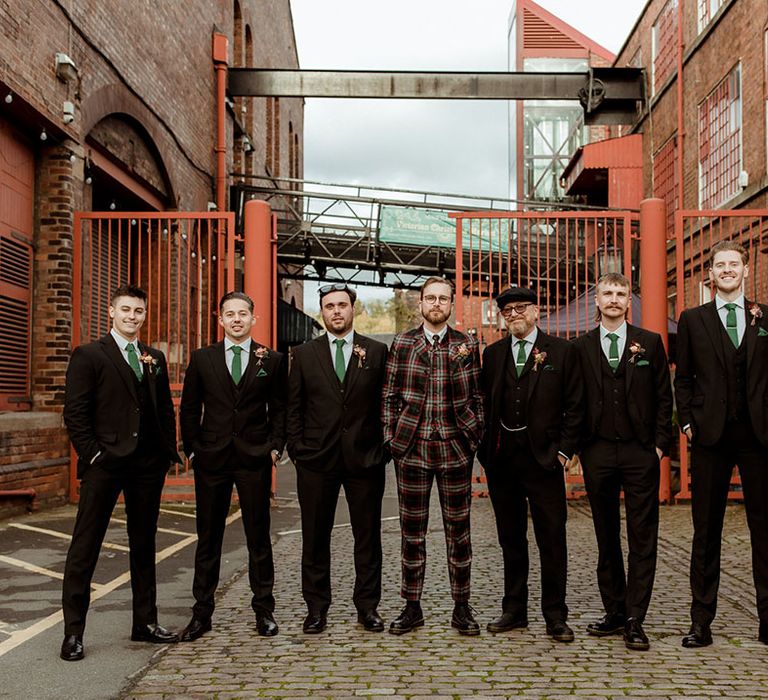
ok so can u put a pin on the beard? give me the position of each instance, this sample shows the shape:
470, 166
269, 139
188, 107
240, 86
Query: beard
435, 316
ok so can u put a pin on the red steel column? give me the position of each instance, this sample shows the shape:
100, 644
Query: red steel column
258, 281
653, 290
220, 50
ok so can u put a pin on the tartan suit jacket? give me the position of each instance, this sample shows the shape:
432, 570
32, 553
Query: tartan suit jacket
406, 384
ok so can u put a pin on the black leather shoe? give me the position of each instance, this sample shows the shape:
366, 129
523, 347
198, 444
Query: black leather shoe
559, 631
634, 635
196, 628
153, 633
699, 636
506, 622
72, 648
370, 620
464, 621
762, 634
612, 623
265, 624
409, 619
314, 623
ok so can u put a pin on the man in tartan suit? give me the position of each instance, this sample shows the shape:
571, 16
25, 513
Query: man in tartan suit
432, 413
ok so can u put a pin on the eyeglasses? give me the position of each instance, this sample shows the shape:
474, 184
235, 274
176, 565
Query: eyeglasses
337, 287
512, 309
431, 299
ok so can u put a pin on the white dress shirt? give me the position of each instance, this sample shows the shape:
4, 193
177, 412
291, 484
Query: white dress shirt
741, 317
244, 355
605, 341
346, 349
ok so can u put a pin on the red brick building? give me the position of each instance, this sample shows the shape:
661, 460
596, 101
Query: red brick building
109, 105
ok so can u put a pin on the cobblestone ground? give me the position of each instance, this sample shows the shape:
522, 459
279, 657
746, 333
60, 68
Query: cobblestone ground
435, 662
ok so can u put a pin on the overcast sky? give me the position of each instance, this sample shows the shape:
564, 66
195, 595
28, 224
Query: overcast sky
436, 145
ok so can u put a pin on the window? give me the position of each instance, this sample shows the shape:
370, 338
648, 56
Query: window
665, 179
765, 93
707, 10
663, 45
720, 156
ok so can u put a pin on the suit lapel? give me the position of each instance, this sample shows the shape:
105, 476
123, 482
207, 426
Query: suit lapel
150, 375
750, 333
123, 368
251, 370
629, 367
219, 364
353, 368
712, 325
541, 345
323, 352
593, 352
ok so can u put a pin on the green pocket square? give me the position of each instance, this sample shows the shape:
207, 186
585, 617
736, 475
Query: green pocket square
261, 373
643, 363
761, 331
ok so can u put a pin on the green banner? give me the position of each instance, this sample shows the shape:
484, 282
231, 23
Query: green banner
431, 227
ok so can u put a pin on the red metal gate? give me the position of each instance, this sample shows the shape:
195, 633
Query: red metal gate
184, 261
559, 255
695, 234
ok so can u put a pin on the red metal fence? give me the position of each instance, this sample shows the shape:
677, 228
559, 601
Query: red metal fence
184, 261
559, 255
688, 281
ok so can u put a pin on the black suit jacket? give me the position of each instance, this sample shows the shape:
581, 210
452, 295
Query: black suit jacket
325, 416
216, 415
101, 403
647, 385
554, 400
700, 378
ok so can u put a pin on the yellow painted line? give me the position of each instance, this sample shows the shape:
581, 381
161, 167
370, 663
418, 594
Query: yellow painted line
64, 535
27, 566
164, 530
182, 513
24, 635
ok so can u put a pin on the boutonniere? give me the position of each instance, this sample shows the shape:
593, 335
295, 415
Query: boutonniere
463, 352
756, 312
359, 352
149, 362
539, 358
637, 351
261, 354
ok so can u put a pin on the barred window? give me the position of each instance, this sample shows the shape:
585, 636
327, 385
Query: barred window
666, 179
663, 45
720, 152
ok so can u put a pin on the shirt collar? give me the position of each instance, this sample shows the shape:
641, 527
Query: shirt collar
122, 341
245, 345
348, 339
530, 338
621, 331
440, 335
739, 301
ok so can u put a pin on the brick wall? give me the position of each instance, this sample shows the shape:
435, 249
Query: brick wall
145, 98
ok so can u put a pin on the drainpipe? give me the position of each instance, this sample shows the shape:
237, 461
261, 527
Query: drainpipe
678, 234
220, 53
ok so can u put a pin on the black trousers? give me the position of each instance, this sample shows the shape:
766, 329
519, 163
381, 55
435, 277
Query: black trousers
318, 493
711, 469
141, 482
512, 488
213, 492
610, 466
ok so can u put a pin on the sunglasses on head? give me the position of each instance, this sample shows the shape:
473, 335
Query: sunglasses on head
338, 287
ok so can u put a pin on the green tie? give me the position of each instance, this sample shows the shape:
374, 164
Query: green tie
341, 366
133, 361
237, 364
731, 325
613, 350
521, 358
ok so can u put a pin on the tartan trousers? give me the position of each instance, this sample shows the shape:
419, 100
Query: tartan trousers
449, 463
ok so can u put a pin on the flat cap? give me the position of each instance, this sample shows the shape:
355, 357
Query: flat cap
516, 294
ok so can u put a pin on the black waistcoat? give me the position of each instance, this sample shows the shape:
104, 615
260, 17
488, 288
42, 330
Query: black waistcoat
736, 377
515, 395
149, 432
614, 419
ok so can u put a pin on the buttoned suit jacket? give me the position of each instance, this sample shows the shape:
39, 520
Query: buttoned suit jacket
647, 387
554, 400
407, 382
326, 416
700, 374
101, 403
217, 416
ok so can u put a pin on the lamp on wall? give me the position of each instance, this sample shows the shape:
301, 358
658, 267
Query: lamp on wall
66, 70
